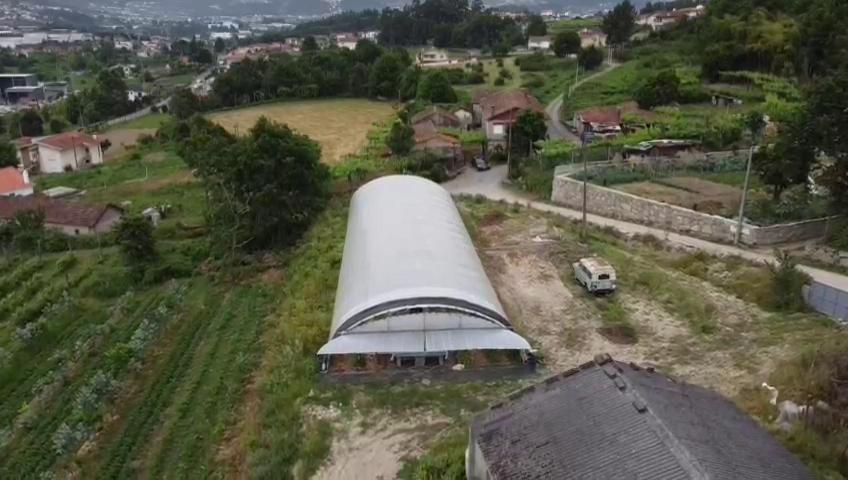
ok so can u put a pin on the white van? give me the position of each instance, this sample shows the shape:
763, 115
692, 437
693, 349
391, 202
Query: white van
595, 274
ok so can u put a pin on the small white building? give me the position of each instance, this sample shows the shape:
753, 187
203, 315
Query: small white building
542, 43
59, 153
347, 41
135, 95
124, 45
432, 56
592, 38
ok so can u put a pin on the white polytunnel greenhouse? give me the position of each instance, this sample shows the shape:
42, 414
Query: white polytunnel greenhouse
411, 283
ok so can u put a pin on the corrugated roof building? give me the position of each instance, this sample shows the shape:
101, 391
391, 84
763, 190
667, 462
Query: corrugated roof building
609, 420
411, 283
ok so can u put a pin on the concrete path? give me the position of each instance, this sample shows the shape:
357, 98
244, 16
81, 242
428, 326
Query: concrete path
490, 185
556, 127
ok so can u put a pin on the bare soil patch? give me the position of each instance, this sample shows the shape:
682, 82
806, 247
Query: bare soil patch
376, 449
122, 140
688, 192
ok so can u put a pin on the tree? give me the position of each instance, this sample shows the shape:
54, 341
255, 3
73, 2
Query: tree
566, 43
661, 89
309, 45
619, 23
787, 161
184, 103
590, 58
31, 124
435, 87
220, 45
367, 52
536, 26
148, 77
401, 138
529, 128
409, 83
8, 154
385, 75
57, 125
134, 236
827, 124
270, 196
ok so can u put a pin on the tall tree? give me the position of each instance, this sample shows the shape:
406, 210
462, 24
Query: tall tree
309, 45
220, 45
138, 246
828, 122
385, 75
8, 154
400, 139
529, 128
566, 43
590, 58
619, 23
270, 196
661, 89
787, 161
435, 87
536, 26
31, 124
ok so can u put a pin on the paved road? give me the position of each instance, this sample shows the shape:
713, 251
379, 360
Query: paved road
556, 127
490, 185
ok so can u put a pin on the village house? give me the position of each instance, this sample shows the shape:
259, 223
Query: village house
598, 121
541, 44
14, 182
499, 110
59, 153
660, 20
440, 118
256, 51
429, 140
70, 218
348, 41
612, 420
432, 56
592, 38
465, 116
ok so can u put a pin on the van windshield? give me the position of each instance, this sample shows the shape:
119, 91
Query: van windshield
603, 276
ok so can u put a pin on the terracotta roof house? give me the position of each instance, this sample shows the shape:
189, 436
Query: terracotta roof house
592, 38
59, 153
438, 117
71, 218
429, 140
14, 182
599, 121
611, 420
498, 110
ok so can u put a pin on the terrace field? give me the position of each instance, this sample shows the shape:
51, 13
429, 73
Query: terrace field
339, 125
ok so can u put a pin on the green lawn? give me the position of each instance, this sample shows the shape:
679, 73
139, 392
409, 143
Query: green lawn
573, 24
154, 120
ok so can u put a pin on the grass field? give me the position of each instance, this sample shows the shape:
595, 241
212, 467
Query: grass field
574, 24
339, 125
154, 120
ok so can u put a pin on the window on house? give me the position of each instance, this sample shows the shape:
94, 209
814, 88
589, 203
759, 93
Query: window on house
498, 129
76, 231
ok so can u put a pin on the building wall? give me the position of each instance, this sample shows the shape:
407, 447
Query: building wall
612, 203
108, 221
72, 230
55, 161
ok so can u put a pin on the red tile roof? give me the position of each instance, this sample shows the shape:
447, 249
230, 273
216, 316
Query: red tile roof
427, 135
603, 115
67, 140
57, 212
497, 103
434, 111
11, 180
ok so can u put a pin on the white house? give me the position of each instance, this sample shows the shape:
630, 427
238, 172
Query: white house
135, 95
59, 153
592, 38
347, 41
539, 43
432, 56
124, 45
128, 70
14, 182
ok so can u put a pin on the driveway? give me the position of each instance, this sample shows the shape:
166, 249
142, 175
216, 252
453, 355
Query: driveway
490, 185
556, 127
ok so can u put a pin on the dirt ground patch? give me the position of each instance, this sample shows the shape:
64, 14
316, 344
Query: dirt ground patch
121, 139
688, 192
376, 449
340, 126
533, 279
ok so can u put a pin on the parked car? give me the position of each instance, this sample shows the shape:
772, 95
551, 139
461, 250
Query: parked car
480, 164
595, 274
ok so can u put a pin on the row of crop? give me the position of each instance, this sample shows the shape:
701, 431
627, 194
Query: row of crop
9, 283
31, 451
203, 414
92, 399
141, 421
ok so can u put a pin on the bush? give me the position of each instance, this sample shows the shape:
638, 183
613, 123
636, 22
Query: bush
537, 62
499, 82
787, 283
590, 58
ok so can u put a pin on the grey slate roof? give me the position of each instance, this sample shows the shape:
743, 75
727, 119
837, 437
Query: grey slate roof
611, 420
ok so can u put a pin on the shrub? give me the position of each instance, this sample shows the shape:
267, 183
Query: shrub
499, 82
787, 282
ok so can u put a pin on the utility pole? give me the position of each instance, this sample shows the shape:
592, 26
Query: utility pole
509, 148
744, 196
585, 179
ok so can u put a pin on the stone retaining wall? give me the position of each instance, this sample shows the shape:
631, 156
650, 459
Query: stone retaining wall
611, 203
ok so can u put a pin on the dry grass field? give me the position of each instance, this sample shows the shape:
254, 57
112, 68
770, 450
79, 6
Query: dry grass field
339, 125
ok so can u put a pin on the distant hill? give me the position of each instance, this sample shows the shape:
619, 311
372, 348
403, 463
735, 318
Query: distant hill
303, 7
